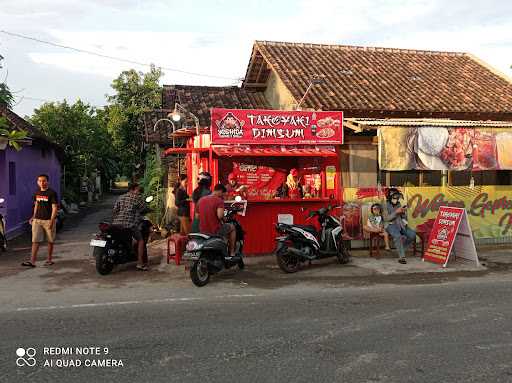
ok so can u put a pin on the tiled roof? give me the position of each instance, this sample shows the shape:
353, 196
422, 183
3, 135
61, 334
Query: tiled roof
199, 99
17, 123
381, 79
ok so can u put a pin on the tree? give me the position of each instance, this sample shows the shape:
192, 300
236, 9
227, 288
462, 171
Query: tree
13, 138
82, 131
135, 93
6, 96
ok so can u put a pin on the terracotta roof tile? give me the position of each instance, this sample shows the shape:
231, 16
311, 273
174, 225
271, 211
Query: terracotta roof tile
362, 78
17, 123
199, 100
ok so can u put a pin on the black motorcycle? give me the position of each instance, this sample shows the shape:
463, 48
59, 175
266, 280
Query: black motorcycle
115, 245
302, 243
3, 237
209, 254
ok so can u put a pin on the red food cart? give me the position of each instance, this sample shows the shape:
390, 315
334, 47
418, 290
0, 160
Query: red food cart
259, 148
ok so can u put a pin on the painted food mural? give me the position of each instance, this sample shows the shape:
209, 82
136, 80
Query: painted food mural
441, 148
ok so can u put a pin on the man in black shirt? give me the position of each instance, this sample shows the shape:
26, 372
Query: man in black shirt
43, 220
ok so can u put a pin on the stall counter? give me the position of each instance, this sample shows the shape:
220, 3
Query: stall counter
259, 224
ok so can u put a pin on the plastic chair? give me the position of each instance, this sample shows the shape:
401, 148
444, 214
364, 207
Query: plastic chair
180, 242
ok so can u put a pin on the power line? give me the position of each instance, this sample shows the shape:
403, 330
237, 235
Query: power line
21, 98
113, 57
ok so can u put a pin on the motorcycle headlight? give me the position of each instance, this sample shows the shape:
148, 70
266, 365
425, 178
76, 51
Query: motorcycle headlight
193, 245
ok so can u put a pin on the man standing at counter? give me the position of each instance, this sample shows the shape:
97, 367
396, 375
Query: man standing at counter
234, 188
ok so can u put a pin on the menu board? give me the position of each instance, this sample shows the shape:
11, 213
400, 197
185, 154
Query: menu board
261, 181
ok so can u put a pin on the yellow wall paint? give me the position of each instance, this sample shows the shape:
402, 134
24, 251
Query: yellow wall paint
278, 96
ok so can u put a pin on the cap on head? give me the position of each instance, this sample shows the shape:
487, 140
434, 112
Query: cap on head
294, 172
231, 177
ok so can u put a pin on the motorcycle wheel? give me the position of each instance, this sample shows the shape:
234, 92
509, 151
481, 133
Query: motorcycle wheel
199, 273
103, 265
343, 254
287, 262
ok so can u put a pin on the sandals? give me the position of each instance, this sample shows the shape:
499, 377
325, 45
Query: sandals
142, 268
49, 263
28, 264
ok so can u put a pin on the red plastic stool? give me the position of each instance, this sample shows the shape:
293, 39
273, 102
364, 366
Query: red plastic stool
180, 242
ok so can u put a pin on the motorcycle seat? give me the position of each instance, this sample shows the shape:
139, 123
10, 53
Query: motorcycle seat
204, 236
309, 228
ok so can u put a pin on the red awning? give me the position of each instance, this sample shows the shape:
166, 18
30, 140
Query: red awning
275, 151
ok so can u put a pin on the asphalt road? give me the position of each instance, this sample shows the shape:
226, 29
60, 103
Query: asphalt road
327, 323
452, 332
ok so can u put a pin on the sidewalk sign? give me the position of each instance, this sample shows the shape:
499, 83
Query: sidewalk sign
451, 234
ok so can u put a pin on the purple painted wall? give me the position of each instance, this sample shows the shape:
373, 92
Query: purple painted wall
29, 163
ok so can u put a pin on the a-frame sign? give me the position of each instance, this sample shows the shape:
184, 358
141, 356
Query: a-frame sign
451, 233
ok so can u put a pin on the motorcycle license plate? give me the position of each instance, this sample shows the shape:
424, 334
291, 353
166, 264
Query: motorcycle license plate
191, 255
98, 243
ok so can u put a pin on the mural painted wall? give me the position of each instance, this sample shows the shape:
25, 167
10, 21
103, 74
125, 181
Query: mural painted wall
489, 207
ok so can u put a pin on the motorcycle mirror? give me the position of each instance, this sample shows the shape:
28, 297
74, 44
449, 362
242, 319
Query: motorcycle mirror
150, 199
238, 199
2, 200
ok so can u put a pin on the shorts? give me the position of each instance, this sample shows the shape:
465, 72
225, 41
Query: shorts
136, 234
225, 229
41, 228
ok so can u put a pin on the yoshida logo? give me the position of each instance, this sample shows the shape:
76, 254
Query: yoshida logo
230, 127
26, 357
442, 234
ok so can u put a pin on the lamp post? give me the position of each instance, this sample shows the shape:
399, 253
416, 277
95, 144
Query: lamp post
180, 110
315, 80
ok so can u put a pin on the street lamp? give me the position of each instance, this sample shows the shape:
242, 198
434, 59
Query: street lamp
178, 113
169, 121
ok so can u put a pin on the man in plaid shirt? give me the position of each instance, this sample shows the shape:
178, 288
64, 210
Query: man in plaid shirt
127, 211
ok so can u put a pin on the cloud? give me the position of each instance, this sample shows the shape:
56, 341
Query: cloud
216, 37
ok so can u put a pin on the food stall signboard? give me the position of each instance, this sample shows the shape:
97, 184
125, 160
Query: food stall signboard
275, 127
451, 233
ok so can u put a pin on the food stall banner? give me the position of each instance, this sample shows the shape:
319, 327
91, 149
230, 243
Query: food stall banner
451, 231
489, 208
258, 126
441, 148
261, 181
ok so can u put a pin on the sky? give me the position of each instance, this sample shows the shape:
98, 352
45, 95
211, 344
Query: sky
215, 37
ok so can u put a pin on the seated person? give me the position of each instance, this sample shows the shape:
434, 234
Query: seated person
375, 223
402, 235
211, 217
292, 188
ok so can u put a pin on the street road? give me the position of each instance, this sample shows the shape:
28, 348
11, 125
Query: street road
324, 324
456, 332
